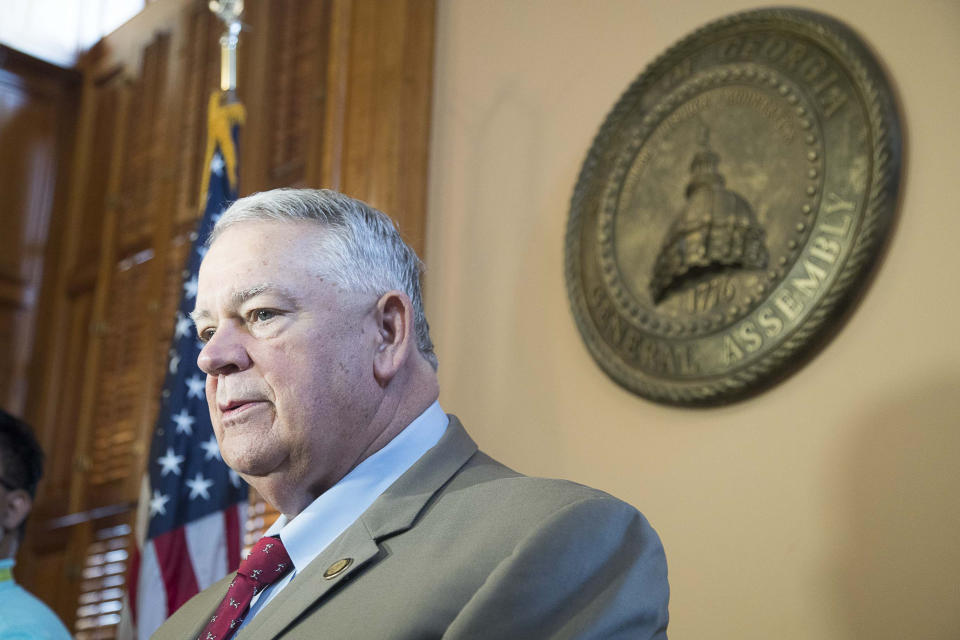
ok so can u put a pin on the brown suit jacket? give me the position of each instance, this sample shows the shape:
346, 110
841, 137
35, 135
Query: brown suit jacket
462, 547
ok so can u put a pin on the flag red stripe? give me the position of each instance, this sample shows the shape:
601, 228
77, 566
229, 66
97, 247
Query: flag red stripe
179, 580
231, 521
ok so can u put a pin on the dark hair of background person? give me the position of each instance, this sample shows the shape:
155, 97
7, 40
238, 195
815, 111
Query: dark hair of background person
21, 458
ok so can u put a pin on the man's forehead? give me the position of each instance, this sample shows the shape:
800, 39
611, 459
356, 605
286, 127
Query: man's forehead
263, 250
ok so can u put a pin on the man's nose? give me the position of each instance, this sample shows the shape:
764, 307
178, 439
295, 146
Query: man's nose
224, 352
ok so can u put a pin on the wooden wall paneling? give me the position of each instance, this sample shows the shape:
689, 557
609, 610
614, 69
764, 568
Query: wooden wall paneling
388, 109
101, 110
370, 142
21, 128
317, 95
71, 299
73, 325
198, 67
126, 402
414, 105
121, 369
143, 165
160, 201
298, 36
48, 323
33, 96
94, 382
254, 62
327, 154
283, 67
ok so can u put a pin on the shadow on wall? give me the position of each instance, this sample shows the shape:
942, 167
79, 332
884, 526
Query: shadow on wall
898, 572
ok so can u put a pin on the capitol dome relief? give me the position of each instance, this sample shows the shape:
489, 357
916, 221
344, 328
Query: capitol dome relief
717, 230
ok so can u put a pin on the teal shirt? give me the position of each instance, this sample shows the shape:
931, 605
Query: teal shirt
22, 616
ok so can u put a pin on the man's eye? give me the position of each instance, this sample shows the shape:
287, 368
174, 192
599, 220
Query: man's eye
205, 335
262, 315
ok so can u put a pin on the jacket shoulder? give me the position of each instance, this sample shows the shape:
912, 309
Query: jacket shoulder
482, 475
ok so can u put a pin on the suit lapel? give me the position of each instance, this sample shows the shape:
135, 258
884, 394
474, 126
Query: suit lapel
310, 585
394, 511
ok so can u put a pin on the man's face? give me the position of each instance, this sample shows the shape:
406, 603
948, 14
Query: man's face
288, 357
15, 505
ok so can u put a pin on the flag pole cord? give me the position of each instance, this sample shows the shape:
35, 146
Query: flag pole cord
224, 111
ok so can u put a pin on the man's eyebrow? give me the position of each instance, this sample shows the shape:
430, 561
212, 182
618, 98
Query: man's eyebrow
241, 296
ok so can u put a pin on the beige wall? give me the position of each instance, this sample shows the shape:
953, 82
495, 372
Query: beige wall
829, 506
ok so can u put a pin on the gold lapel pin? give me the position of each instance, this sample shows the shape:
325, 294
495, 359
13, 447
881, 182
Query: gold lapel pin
337, 568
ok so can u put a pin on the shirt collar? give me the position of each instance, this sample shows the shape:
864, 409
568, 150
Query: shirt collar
309, 533
6, 570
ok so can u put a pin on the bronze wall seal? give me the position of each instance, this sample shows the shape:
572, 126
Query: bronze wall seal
731, 204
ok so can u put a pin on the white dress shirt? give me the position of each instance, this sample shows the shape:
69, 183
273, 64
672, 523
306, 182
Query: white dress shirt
314, 528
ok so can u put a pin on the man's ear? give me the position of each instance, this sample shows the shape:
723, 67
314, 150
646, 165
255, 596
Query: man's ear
394, 317
15, 508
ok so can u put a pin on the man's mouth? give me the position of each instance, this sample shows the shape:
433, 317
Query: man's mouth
238, 408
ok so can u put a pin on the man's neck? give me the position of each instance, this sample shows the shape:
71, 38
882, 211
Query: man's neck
395, 413
8, 544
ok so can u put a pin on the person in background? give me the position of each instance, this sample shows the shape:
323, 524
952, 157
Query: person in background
322, 388
22, 616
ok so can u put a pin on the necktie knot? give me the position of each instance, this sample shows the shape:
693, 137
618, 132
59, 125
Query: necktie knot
268, 562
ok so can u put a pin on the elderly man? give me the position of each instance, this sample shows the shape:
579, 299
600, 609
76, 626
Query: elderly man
322, 387
22, 616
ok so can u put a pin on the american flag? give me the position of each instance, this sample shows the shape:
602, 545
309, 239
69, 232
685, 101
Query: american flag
193, 507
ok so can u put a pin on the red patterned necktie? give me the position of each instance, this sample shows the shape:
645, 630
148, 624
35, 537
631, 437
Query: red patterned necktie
268, 562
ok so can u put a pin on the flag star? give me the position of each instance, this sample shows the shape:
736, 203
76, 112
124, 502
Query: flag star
183, 326
170, 462
199, 487
234, 478
174, 361
195, 383
190, 287
158, 503
184, 420
202, 250
216, 164
211, 449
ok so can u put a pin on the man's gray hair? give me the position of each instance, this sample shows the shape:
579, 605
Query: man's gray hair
363, 250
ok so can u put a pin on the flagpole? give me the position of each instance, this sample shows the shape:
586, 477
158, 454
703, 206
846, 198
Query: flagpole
229, 11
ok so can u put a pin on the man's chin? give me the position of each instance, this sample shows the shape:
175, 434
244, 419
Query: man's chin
252, 467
